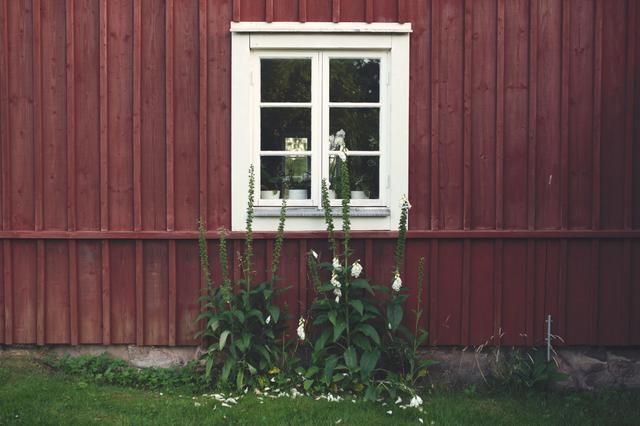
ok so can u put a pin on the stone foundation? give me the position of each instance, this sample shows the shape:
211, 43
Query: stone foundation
588, 368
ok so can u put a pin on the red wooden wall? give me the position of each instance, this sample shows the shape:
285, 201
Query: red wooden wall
524, 168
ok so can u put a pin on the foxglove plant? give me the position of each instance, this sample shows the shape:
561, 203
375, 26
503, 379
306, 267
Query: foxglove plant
242, 327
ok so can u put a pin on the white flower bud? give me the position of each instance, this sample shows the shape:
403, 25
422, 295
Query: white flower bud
356, 269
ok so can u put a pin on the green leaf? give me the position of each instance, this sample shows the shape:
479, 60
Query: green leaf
239, 314
361, 342
311, 372
357, 305
338, 330
394, 315
240, 380
370, 332
368, 362
213, 324
252, 369
329, 366
307, 385
226, 370
362, 284
322, 340
223, 338
209, 367
275, 313
332, 315
351, 358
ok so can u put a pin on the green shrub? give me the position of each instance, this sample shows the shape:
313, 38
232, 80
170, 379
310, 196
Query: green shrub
107, 370
525, 369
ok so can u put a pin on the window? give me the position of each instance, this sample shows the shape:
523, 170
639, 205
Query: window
306, 97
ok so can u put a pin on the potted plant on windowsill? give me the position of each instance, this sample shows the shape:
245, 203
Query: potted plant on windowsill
270, 184
297, 185
361, 185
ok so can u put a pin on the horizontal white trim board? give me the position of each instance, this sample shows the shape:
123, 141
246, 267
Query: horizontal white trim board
319, 27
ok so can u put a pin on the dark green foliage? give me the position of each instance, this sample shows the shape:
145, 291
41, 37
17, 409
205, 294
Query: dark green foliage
242, 327
105, 369
523, 369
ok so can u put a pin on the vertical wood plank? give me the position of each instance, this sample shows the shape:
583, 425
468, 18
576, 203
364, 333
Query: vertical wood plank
172, 293
435, 115
219, 116
137, 115
73, 291
169, 55
561, 328
8, 290
629, 107
466, 293
104, 119
466, 120
433, 294
106, 294
302, 10
40, 293
202, 118
597, 114
37, 116
369, 11
335, 11
4, 117
500, 99
564, 114
594, 290
533, 78
140, 296
302, 277
269, 11
530, 294
497, 291
71, 122
420, 115
403, 11
236, 10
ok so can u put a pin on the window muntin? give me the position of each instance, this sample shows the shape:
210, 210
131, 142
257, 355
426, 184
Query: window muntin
314, 96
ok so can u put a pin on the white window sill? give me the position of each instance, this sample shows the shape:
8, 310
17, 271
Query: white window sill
316, 212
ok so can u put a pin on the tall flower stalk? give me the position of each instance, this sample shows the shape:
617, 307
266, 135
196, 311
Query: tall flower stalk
224, 264
277, 249
328, 218
248, 245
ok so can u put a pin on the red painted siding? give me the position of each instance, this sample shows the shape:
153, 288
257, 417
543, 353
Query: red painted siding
524, 169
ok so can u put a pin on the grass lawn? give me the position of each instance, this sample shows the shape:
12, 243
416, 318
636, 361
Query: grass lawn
31, 395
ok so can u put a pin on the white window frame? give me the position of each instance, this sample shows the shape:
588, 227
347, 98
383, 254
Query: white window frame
320, 41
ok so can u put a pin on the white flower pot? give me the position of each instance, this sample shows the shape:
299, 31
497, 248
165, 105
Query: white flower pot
297, 194
269, 195
332, 194
358, 195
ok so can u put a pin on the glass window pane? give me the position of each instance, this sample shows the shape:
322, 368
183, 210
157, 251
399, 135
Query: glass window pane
360, 128
285, 129
285, 80
290, 176
364, 176
354, 80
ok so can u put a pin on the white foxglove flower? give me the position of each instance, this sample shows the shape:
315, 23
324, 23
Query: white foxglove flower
338, 293
343, 154
339, 139
314, 254
398, 401
332, 145
356, 269
334, 280
336, 264
416, 402
403, 200
397, 283
300, 330
268, 320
